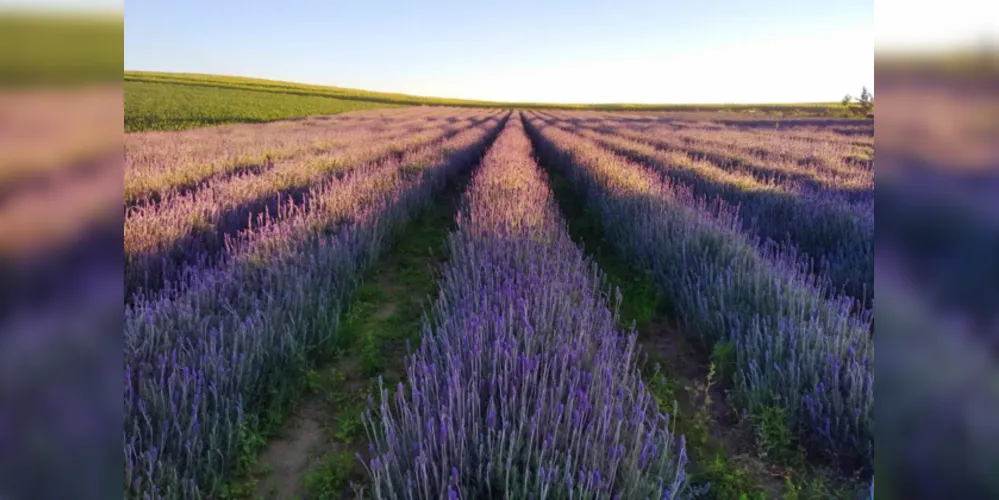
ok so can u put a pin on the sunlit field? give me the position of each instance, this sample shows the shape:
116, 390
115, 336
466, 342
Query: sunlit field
483, 302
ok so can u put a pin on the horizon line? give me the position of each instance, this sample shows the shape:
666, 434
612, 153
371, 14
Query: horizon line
490, 101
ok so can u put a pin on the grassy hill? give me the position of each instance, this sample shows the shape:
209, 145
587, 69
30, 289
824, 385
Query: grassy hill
177, 106
173, 101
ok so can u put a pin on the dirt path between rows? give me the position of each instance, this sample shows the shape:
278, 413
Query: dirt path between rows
314, 455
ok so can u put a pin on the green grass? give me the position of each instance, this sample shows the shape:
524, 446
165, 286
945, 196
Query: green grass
173, 101
302, 89
169, 106
331, 477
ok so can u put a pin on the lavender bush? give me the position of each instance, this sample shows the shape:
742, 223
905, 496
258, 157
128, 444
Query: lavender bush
204, 365
795, 348
522, 386
836, 233
829, 154
191, 228
160, 162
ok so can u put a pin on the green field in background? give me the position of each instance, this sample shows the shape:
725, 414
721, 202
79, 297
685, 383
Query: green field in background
171, 101
170, 106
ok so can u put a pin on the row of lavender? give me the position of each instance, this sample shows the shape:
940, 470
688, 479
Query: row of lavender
192, 228
204, 367
796, 157
822, 154
797, 351
522, 386
159, 162
838, 234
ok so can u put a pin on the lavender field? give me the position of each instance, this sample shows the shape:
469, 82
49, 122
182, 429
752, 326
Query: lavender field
466, 303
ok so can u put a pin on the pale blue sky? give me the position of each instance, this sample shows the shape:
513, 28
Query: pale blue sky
665, 51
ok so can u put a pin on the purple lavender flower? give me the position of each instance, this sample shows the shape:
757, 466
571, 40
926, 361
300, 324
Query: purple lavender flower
517, 285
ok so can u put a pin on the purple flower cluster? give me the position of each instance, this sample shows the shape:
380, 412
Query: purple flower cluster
802, 206
191, 227
796, 348
522, 385
205, 362
835, 155
158, 163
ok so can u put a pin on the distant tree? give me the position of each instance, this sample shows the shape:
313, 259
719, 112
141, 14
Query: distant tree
859, 105
866, 101
847, 103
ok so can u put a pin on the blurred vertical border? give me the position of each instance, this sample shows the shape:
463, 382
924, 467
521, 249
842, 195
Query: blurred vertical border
59, 49
61, 171
937, 273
